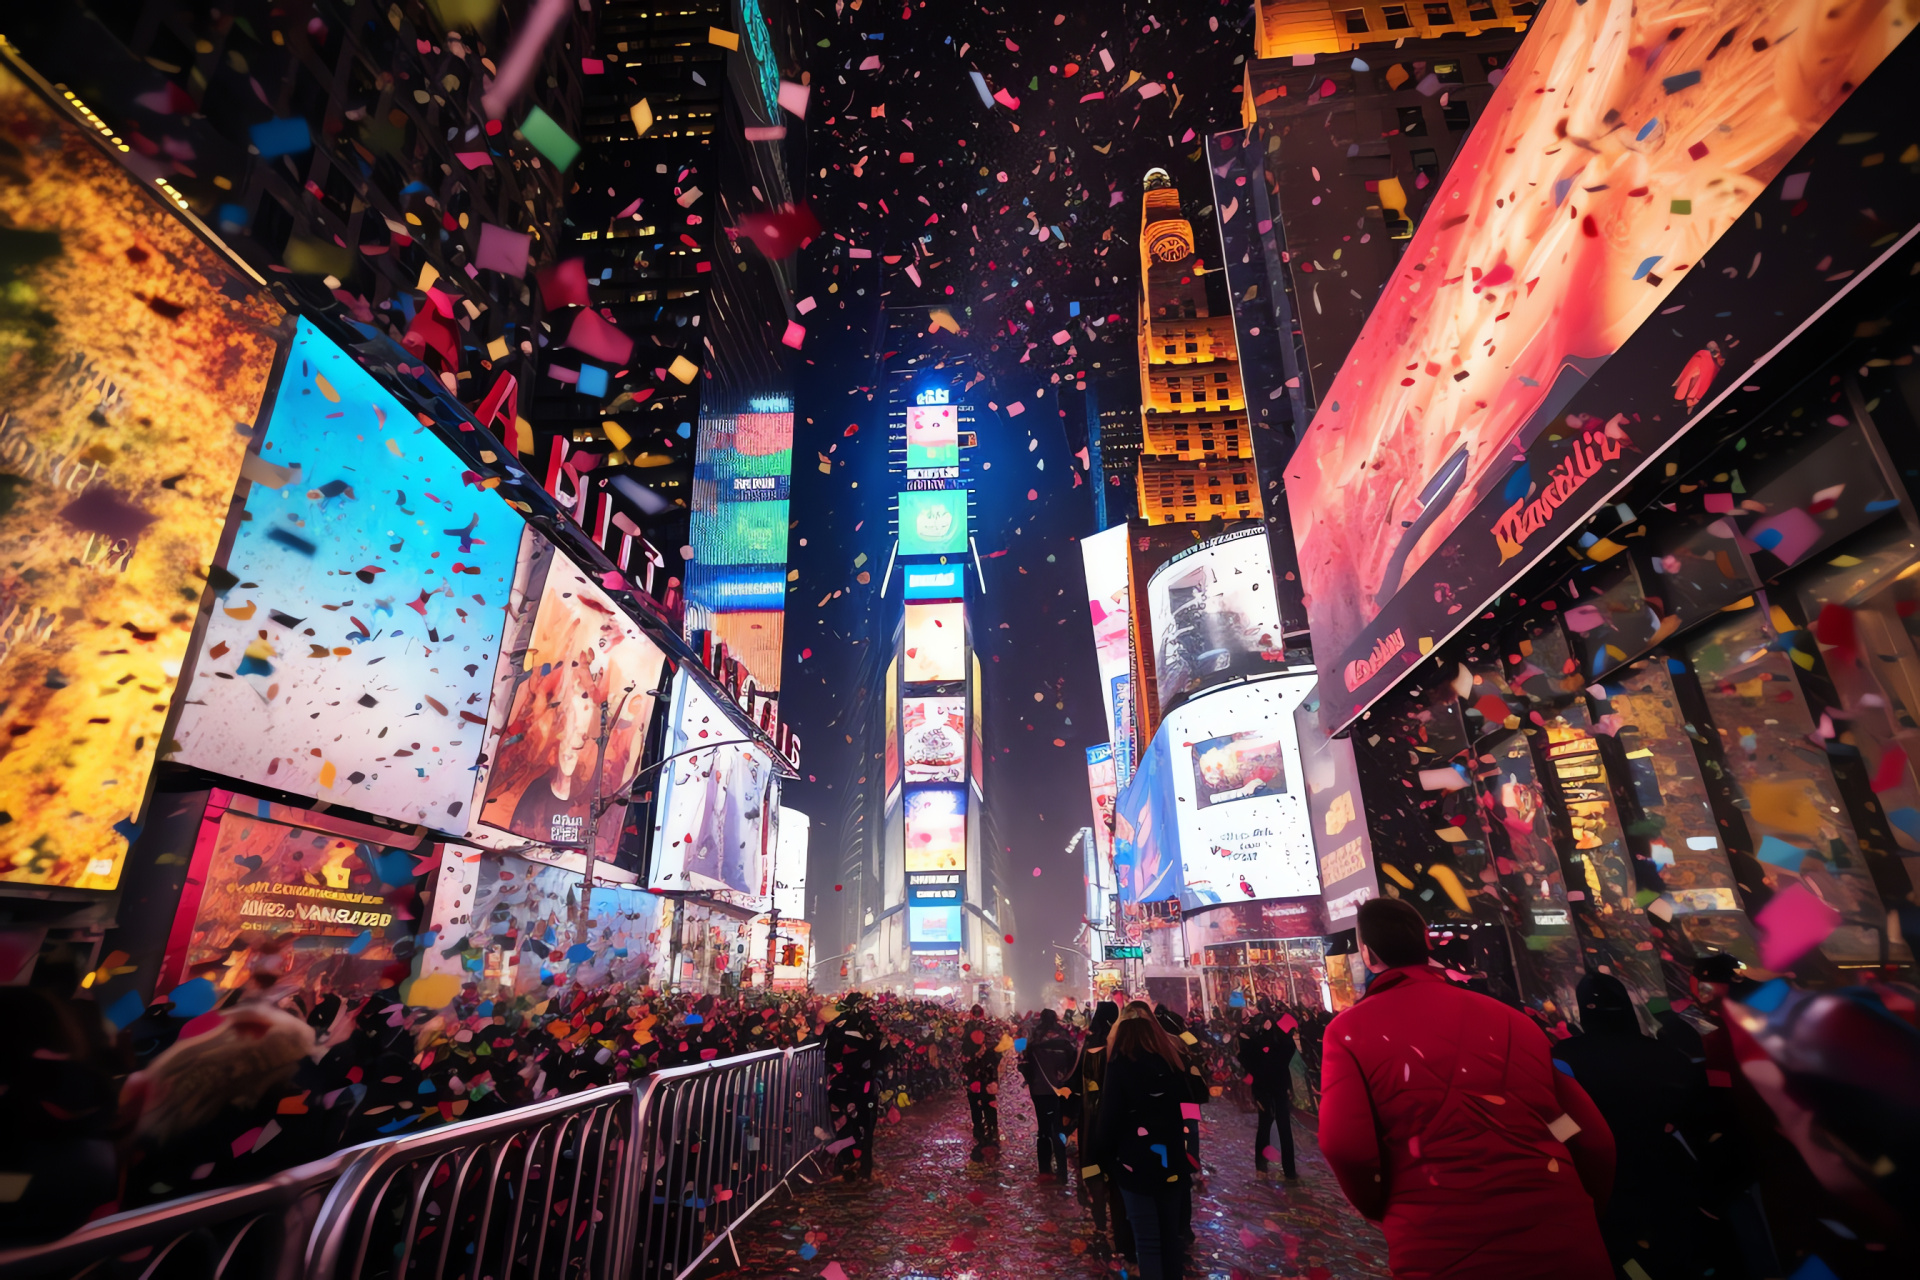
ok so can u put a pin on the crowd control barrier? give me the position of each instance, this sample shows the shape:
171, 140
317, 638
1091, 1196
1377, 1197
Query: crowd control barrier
647, 1180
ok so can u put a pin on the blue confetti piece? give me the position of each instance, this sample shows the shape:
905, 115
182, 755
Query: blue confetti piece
191, 999
360, 943
1160, 1150
1777, 852
1907, 819
1813, 1269
282, 137
1646, 265
1237, 1000
1359, 65
1560, 190
1769, 997
1646, 129
1020, 1045
127, 829
1519, 483
807, 1251
1567, 1067
579, 951
1073, 308
684, 430
127, 1007
1676, 667
230, 217
426, 1086
695, 1020
593, 380
1684, 80
1883, 504
394, 868
486, 1009
394, 1126
1768, 538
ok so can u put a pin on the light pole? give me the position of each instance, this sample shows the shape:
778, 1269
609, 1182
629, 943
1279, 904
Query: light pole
1061, 946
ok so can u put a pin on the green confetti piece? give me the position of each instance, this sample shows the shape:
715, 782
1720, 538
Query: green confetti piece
549, 139
1681, 206
1642, 898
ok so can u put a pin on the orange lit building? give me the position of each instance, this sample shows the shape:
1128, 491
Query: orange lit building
1196, 459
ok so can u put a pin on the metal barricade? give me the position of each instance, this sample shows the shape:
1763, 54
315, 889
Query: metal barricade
645, 1179
717, 1141
257, 1230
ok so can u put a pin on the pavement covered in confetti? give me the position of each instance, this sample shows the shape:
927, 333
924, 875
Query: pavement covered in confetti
929, 1213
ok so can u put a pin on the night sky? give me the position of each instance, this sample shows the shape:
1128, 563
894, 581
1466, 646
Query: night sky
1030, 625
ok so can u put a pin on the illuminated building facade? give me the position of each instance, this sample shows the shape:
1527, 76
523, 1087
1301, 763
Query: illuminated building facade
1196, 459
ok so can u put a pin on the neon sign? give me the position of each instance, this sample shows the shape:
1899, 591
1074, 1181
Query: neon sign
934, 395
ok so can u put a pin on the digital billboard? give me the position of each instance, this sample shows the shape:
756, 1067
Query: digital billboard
712, 829
1339, 822
135, 365
1214, 615
933, 441
977, 753
790, 864
350, 655
933, 926
573, 697
893, 725
1104, 557
934, 581
1103, 789
934, 739
1475, 421
936, 828
936, 643
933, 522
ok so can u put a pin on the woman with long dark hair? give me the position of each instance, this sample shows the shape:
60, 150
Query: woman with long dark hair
1140, 1142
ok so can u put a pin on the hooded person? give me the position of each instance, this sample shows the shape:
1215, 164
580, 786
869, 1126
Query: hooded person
1047, 1062
1654, 1101
1098, 1192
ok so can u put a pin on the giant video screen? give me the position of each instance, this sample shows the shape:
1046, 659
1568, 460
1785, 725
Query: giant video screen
573, 696
933, 439
933, 926
936, 828
1104, 556
933, 522
935, 643
1456, 447
1214, 615
934, 739
133, 361
350, 655
712, 832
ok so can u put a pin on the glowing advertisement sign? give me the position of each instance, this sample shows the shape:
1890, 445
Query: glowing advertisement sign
713, 806
933, 522
790, 864
1474, 423
1103, 789
570, 655
893, 725
936, 643
351, 654
934, 581
933, 442
131, 383
1104, 557
936, 828
743, 464
933, 926
1340, 840
934, 739
1214, 615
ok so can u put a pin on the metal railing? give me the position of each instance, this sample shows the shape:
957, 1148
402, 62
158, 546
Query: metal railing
645, 1179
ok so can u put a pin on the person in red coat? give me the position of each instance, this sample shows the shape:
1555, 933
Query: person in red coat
1446, 1122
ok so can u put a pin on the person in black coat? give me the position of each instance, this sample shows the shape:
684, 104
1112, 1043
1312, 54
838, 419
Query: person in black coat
1047, 1062
1141, 1142
979, 1054
1653, 1099
856, 1053
1266, 1050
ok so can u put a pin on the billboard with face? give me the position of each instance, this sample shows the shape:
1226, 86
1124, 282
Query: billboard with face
933, 438
134, 364
574, 694
350, 655
1214, 615
1470, 427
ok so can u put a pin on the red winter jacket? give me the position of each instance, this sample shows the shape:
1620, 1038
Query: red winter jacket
1438, 1112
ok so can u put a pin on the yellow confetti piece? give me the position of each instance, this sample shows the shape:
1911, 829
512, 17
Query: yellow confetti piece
725, 39
1447, 880
497, 349
393, 447
642, 117
1398, 876
326, 389
1426, 645
326, 775
1452, 835
683, 370
433, 991
1605, 549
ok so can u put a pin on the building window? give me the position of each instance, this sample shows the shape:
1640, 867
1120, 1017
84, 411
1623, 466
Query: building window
1455, 114
1240, 477
1171, 348
1413, 122
1219, 377
1439, 15
1427, 162
1175, 396
1182, 445
1216, 500
1482, 13
1219, 393
1396, 16
1356, 20
1193, 346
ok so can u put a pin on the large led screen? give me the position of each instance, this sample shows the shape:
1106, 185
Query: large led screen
1214, 615
933, 926
1104, 556
936, 643
936, 828
350, 655
1340, 840
933, 522
714, 803
934, 739
933, 437
790, 864
934, 581
133, 366
1622, 143
893, 725
977, 751
1102, 789
573, 696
